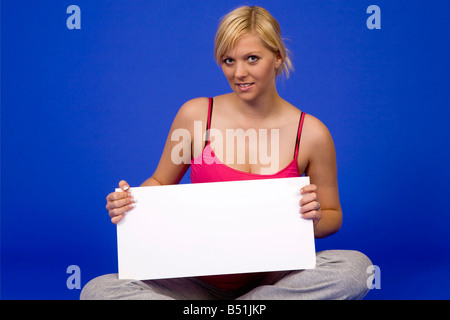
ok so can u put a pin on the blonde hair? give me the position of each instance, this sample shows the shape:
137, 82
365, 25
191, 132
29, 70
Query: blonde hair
244, 20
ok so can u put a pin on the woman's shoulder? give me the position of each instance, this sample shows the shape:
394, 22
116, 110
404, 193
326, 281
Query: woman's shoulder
315, 132
195, 106
193, 110
314, 122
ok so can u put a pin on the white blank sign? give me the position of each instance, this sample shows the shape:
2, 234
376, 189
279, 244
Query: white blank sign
215, 228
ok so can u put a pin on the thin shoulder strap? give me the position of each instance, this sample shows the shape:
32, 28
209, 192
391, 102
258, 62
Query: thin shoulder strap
299, 133
208, 121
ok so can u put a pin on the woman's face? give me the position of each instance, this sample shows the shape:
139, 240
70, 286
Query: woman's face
250, 67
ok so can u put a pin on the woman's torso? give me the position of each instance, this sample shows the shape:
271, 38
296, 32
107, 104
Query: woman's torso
246, 144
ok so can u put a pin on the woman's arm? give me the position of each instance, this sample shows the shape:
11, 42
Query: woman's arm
322, 170
176, 156
170, 169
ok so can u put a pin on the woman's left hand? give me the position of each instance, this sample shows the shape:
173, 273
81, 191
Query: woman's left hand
309, 204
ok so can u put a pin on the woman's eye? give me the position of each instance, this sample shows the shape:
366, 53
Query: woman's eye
228, 60
252, 58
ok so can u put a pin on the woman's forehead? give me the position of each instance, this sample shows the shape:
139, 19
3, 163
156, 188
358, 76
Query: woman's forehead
249, 42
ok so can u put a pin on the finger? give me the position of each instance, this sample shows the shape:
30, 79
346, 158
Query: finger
124, 185
308, 188
121, 210
113, 196
117, 219
315, 215
307, 198
312, 206
120, 203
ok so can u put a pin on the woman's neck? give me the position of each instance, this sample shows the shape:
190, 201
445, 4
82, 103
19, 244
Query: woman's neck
262, 107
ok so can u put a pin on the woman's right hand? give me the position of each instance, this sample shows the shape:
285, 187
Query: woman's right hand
119, 203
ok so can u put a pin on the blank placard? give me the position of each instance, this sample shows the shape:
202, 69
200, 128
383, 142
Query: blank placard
215, 228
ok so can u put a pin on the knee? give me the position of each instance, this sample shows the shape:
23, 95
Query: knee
95, 289
358, 269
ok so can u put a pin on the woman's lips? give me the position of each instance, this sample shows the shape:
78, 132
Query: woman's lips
245, 86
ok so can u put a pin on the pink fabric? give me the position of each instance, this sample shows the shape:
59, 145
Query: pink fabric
208, 168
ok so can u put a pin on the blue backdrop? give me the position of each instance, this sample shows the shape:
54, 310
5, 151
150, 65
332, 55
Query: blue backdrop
82, 109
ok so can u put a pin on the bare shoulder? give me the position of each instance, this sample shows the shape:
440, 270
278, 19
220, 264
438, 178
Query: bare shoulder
315, 134
194, 109
191, 111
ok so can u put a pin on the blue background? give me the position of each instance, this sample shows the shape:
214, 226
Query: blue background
83, 109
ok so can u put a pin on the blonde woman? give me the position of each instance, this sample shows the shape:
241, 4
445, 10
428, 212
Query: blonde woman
251, 52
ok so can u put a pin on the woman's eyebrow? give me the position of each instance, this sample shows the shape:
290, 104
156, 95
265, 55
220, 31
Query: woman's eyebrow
244, 55
252, 53
258, 52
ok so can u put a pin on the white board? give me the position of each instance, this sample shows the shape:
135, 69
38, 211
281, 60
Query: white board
215, 228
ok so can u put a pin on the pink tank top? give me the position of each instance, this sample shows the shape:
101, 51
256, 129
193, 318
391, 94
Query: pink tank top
208, 168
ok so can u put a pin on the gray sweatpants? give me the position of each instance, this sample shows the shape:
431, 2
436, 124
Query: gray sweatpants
339, 274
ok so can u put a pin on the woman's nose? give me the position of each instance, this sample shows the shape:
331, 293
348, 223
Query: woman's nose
241, 70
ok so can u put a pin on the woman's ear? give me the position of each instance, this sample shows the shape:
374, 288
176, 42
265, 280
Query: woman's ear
278, 60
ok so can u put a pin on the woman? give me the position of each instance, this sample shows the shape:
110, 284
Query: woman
251, 52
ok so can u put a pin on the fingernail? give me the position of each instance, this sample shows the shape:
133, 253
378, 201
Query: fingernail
131, 206
125, 188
